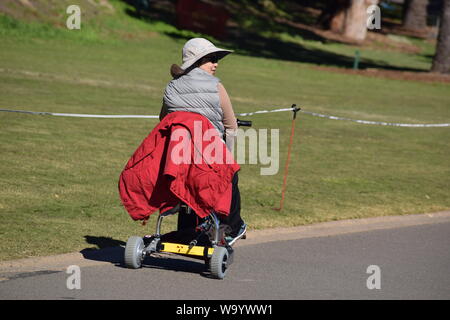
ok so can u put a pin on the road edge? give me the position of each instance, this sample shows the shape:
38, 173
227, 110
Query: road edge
324, 229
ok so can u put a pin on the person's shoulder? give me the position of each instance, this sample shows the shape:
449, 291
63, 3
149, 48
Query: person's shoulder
198, 73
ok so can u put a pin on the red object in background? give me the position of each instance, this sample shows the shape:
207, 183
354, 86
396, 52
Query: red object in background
202, 17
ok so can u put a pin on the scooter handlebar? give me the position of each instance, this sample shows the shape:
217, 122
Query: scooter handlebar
244, 123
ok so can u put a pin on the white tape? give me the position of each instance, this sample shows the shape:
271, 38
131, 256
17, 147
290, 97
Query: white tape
263, 111
80, 115
412, 125
418, 125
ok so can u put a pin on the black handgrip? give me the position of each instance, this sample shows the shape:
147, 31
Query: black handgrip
242, 123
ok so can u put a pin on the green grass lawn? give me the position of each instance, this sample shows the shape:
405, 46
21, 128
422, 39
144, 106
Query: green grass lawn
58, 176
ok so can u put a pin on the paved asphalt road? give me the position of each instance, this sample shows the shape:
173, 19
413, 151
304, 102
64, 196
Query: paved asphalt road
413, 262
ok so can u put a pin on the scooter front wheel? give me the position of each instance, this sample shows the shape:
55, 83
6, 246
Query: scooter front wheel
219, 262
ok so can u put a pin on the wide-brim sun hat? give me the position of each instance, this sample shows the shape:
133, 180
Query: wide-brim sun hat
197, 48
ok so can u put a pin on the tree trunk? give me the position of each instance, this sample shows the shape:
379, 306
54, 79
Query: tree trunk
347, 17
355, 20
355, 23
415, 14
337, 22
332, 17
441, 61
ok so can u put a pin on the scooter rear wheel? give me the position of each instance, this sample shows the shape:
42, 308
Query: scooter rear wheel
134, 252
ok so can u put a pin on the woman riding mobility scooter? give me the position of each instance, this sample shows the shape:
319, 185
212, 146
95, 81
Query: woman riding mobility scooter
192, 184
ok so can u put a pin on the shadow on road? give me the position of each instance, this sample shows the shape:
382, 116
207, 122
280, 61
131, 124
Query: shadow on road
108, 249
172, 263
104, 242
112, 251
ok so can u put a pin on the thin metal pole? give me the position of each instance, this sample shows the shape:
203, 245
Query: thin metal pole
286, 167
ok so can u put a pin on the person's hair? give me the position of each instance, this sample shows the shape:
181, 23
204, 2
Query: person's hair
176, 71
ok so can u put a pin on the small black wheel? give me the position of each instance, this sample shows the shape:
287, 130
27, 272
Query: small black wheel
219, 262
134, 252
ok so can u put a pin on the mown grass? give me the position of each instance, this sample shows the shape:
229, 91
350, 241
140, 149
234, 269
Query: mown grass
59, 176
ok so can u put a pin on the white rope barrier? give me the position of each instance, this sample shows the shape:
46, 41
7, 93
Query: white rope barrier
412, 125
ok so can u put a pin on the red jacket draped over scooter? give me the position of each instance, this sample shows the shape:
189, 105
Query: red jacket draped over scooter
182, 159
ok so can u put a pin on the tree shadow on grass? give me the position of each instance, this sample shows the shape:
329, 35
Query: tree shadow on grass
247, 42
256, 46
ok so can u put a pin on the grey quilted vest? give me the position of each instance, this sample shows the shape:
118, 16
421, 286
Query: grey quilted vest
196, 92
